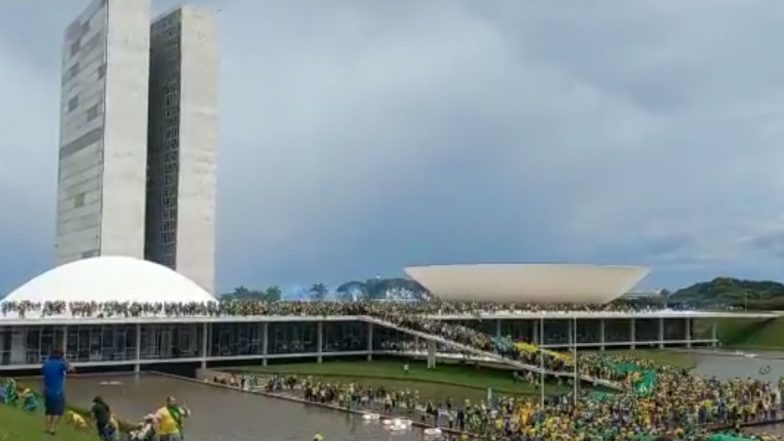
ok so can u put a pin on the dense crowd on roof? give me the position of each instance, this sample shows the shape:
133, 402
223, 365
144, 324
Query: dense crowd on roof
295, 308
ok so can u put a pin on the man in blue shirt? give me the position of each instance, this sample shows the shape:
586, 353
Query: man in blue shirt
54, 371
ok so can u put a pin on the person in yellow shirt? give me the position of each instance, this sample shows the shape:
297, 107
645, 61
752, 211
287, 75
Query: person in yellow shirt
169, 420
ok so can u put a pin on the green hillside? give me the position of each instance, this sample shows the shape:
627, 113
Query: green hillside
727, 291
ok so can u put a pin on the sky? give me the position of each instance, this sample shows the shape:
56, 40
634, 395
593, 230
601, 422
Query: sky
359, 137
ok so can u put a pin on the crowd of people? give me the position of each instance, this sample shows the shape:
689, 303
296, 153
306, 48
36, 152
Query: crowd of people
296, 308
674, 403
654, 400
681, 406
411, 315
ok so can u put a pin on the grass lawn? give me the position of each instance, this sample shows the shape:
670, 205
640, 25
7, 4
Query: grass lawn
18, 425
752, 334
681, 360
391, 371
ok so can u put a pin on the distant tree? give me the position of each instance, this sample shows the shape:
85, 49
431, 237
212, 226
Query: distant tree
665, 296
378, 288
351, 291
241, 291
273, 294
318, 291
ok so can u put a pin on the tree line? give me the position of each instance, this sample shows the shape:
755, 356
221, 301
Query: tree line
371, 289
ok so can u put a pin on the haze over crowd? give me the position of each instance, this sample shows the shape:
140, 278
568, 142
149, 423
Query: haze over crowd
358, 138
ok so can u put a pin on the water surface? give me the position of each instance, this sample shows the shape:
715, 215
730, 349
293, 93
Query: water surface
228, 415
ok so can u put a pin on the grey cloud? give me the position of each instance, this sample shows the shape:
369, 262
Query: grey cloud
360, 137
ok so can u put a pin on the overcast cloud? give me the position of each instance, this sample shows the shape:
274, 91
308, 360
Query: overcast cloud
360, 137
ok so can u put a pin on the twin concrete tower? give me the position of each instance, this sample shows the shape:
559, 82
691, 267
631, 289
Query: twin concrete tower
139, 137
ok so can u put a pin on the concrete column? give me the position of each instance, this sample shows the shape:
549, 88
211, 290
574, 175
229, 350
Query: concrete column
536, 334
65, 341
632, 333
370, 342
204, 340
416, 343
601, 334
210, 330
661, 332
431, 354
138, 367
571, 329
166, 331
714, 334
265, 343
498, 327
320, 340
688, 332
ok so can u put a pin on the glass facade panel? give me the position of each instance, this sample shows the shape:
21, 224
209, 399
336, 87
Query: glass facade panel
519, 330
171, 341
385, 339
231, 339
5, 346
646, 330
588, 331
675, 329
101, 343
291, 338
617, 330
556, 332
345, 336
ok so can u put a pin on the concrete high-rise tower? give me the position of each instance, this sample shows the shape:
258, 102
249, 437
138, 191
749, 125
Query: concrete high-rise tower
139, 137
103, 132
183, 143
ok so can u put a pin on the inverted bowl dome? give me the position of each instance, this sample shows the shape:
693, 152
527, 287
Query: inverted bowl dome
535, 283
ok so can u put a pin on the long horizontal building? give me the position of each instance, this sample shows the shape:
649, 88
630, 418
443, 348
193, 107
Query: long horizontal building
134, 342
153, 338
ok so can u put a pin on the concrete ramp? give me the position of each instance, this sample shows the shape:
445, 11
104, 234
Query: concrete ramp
486, 354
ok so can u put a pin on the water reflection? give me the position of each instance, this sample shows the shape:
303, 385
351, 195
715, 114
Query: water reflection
728, 365
227, 415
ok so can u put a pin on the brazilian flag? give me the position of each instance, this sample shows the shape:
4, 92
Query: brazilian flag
646, 384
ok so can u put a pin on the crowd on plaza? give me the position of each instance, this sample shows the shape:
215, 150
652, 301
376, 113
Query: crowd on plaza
654, 400
295, 308
680, 407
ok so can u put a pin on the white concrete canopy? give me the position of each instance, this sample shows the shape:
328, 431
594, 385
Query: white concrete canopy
110, 279
535, 283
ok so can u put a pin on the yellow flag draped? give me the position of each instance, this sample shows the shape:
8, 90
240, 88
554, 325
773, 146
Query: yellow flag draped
532, 349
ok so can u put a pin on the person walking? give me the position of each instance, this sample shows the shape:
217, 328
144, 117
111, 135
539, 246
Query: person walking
102, 414
169, 420
54, 370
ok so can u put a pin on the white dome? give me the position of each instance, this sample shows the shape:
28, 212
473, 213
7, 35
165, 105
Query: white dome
110, 279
